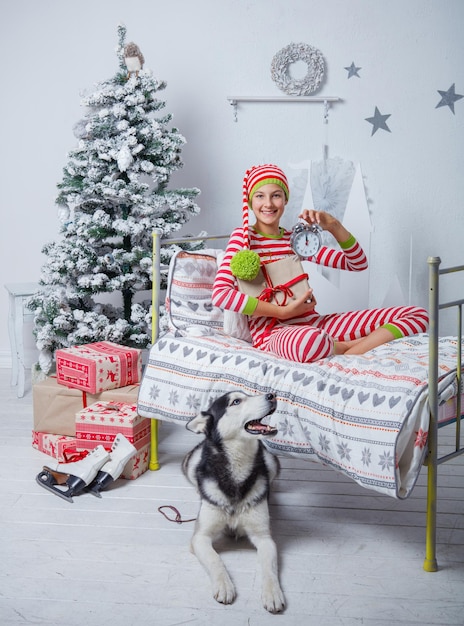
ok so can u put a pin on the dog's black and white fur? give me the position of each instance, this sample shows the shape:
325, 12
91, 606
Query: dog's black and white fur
232, 471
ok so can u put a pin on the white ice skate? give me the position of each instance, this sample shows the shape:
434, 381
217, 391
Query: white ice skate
121, 451
70, 479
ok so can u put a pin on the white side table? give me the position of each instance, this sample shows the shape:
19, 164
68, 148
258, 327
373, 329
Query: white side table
18, 314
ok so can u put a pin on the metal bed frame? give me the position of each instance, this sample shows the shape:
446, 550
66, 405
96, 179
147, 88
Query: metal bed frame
432, 459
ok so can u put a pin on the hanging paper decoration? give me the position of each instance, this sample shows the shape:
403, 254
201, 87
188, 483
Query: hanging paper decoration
331, 181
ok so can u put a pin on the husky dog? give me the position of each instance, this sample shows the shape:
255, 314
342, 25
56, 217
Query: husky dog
232, 471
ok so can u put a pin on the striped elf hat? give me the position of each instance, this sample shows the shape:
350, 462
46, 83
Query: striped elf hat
256, 177
245, 264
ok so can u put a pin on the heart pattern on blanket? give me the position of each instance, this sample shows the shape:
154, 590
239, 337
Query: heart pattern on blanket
394, 401
187, 351
347, 394
192, 305
362, 397
377, 400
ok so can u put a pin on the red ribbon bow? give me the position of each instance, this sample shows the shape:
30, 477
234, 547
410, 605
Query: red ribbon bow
71, 456
271, 292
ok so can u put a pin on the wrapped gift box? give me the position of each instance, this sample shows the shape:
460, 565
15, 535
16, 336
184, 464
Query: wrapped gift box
138, 464
61, 448
64, 450
95, 367
55, 406
100, 422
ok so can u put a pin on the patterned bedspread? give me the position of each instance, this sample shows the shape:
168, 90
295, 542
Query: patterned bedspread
365, 416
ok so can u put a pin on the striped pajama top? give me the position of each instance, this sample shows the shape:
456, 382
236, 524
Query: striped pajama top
226, 295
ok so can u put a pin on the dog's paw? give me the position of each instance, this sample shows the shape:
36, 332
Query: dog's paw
224, 590
273, 598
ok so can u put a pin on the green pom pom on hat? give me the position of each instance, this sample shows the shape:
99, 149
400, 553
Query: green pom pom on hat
245, 264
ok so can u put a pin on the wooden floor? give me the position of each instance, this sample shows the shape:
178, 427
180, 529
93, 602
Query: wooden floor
347, 555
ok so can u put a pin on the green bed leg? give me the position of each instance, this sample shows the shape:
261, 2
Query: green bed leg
430, 561
154, 464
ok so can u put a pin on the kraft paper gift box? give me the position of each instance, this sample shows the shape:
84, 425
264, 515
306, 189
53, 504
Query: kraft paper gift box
277, 281
96, 367
55, 406
61, 448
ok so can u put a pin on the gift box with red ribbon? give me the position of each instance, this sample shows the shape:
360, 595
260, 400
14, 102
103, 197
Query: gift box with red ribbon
100, 422
55, 406
60, 447
95, 367
64, 450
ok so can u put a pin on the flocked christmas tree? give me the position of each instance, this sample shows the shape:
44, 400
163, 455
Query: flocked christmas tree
113, 194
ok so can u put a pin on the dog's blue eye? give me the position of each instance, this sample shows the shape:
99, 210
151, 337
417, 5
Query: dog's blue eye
236, 401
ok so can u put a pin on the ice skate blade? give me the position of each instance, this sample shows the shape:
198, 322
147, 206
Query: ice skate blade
100, 482
70, 487
95, 492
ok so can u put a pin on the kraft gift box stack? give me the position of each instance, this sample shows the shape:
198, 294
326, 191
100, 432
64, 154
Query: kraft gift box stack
92, 398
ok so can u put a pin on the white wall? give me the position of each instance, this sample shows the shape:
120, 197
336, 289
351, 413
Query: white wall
206, 50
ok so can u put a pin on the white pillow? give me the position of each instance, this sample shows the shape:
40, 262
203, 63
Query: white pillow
236, 325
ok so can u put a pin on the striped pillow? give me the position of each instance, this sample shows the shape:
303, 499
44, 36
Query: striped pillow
190, 285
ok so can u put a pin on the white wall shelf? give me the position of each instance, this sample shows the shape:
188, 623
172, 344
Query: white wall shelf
234, 100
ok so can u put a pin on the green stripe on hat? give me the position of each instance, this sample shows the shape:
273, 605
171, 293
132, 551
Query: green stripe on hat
268, 181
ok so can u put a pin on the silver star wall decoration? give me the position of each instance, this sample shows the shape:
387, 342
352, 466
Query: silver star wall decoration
352, 70
378, 121
448, 98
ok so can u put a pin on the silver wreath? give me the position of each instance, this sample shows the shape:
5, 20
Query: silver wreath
298, 52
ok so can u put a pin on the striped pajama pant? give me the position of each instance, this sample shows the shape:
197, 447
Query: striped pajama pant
315, 339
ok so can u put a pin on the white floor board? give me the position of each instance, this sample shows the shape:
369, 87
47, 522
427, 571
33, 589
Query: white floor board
348, 556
